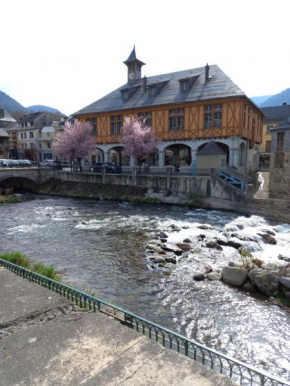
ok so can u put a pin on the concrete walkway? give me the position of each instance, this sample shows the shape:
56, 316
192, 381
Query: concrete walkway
45, 340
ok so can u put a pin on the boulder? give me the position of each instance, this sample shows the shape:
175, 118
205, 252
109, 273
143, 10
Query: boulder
234, 276
267, 282
163, 240
158, 260
204, 227
184, 246
172, 248
285, 281
236, 264
272, 233
268, 239
196, 250
248, 287
162, 235
213, 276
201, 237
198, 276
287, 294
170, 259
187, 240
154, 247
174, 227
208, 270
229, 243
213, 245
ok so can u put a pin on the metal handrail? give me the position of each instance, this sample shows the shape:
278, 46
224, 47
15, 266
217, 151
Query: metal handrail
232, 368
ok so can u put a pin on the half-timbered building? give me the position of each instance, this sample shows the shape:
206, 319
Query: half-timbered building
187, 110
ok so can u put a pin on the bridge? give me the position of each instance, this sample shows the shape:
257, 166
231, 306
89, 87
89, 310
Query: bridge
24, 177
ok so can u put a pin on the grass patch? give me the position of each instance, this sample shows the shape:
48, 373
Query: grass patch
9, 200
19, 259
283, 300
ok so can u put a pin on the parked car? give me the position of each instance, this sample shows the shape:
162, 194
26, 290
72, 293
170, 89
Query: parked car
24, 163
12, 163
47, 162
110, 168
4, 163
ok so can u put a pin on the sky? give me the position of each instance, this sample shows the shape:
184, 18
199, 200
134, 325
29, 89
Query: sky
69, 53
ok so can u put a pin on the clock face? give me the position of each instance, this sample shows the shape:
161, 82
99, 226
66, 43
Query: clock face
131, 76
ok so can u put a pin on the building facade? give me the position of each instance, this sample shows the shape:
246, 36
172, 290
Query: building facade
186, 109
272, 117
46, 137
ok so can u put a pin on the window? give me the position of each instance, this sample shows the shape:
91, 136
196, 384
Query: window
280, 141
116, 124
31, 145
93, 122
268, 146
152, 90
48, 145
25, 135
125, 94
268, 129
31, 134
31, 124
21, 135
213, 116
146, 115
25, 124
184, 85
176, 119
40, 146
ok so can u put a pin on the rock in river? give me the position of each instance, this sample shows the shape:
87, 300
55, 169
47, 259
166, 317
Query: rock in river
198, 276
184, 246
213, 276
266, 281
172, 248
234, 276
212, 244
285, 281
268, 239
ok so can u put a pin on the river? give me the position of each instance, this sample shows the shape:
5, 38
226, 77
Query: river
100, 246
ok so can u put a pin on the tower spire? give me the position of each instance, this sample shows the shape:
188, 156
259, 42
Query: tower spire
134, 66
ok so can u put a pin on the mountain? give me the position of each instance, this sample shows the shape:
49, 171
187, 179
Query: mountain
273, 100
10, 104
37, 108
258, 100
278, 99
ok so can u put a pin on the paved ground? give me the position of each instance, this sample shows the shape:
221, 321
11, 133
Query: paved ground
45, 340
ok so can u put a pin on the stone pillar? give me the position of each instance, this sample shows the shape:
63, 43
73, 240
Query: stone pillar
169, 172
161, 162
106, 156
132, 161
234, 157
193, 161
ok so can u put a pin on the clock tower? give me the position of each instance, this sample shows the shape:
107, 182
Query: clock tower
134, 67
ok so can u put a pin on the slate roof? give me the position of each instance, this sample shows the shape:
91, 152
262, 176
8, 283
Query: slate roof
30, 117
3, 134
284, 125
133, 58
275, 113
218, 86
5, 116
211, 148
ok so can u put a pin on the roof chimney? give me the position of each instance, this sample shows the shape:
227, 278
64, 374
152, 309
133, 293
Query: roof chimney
206, 73
284, 103
144, 83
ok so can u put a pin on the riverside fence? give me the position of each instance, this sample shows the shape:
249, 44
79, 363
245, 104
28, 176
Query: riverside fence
221, 363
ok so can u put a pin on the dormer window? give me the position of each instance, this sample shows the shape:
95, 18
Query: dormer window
184, 85
152, 91
125, 94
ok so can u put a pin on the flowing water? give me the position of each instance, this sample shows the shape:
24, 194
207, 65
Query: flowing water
100, 245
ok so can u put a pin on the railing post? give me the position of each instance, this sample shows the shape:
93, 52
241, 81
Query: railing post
134, 174
103, 174
169, 172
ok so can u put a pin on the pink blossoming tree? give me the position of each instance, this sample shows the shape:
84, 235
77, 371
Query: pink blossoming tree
75, 142
138, 139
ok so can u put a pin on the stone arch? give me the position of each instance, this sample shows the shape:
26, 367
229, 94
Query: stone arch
222, 144
178, 154
96, 155
116, 156
17, 182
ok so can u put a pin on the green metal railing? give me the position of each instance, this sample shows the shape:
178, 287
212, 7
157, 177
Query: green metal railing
223, 364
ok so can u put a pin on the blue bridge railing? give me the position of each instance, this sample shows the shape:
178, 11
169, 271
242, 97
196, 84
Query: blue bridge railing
221, 363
